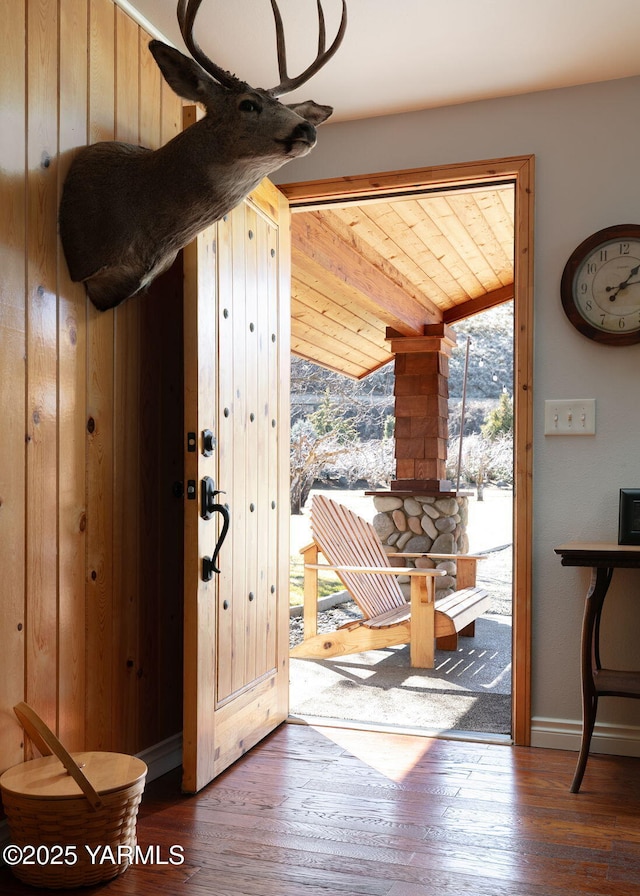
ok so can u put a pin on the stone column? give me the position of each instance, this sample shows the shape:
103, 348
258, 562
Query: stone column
420, 524
421, 512
421, 409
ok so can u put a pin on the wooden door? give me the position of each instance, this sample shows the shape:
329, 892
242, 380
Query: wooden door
237, 319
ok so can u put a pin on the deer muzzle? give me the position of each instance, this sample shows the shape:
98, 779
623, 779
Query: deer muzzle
302, 138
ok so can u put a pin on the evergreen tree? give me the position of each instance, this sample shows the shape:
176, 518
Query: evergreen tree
500, 420
330, 419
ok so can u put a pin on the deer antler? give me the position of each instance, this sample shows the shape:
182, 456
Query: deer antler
288, 84
187, 12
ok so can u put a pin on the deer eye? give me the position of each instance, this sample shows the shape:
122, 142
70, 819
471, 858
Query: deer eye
249, 106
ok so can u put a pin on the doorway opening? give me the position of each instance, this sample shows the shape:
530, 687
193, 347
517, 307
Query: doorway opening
342, 447
458, 182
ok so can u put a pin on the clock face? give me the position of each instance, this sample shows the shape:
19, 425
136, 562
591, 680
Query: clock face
601, 286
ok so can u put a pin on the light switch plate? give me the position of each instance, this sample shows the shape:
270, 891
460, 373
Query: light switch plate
570, 417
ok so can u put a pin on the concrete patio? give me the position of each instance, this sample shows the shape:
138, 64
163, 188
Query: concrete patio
468, 690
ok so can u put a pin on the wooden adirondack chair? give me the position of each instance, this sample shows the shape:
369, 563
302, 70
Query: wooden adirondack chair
353, 550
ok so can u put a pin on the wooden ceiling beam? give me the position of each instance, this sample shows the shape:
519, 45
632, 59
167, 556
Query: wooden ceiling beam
338, 304
335, 290
379, 244
323, 249
336, 362
304, 314
314, 332
482, 303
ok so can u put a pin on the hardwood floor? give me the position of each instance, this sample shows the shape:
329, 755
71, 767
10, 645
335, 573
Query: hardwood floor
333, 812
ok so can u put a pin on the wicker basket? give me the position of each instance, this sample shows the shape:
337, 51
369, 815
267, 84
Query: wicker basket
87, 803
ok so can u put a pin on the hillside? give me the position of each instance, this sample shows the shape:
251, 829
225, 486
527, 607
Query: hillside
370, 401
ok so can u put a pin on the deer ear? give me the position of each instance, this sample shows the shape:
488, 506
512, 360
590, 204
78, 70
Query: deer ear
311, 112
183, 75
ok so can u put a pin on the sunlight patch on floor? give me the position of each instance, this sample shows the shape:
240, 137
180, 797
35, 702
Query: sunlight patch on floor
392, 755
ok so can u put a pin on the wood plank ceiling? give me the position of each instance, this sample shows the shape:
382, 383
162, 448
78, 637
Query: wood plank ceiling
402, 263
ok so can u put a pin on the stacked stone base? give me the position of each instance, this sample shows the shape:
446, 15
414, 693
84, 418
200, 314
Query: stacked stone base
422, 524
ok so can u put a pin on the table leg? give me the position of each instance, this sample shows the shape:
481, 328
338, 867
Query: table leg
590, 661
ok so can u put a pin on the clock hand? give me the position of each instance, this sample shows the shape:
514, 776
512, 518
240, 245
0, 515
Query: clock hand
621, 286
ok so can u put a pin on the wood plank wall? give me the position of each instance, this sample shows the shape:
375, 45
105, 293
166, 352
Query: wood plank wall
90, 404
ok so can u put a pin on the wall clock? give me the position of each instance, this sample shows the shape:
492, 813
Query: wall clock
600, 287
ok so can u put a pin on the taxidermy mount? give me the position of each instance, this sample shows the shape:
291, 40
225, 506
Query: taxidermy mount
126, 211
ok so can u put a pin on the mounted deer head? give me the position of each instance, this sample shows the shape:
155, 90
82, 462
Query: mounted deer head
126, 211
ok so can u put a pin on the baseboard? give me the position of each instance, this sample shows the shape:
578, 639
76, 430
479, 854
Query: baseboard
564, 734
163, 757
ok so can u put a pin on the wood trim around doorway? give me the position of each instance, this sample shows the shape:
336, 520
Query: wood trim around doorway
519, 171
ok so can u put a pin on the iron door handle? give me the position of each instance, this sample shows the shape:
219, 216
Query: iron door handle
209, 506
208, 494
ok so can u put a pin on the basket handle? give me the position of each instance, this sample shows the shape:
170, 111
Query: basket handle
48, 743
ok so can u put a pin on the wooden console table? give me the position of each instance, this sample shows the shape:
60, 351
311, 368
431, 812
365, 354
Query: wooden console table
597, 682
